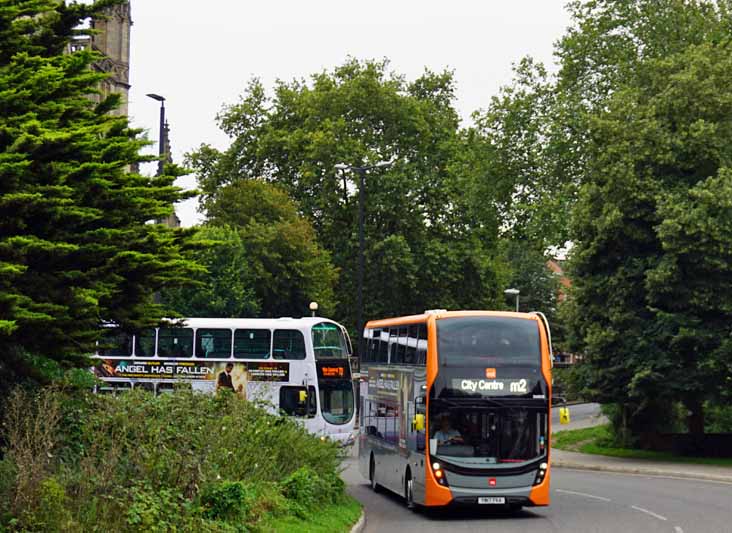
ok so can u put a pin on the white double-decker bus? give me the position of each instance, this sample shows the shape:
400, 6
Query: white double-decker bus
299, 366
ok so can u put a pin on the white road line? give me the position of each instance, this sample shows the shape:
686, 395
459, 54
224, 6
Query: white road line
649, 512
584, 494
677, 529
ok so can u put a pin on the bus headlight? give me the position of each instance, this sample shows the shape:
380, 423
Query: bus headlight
541, 473
439, 474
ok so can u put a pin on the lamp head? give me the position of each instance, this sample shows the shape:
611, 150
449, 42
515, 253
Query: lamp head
342, 166
156, 97
512, 292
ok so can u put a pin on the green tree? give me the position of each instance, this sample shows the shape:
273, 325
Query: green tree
650, 265
76, 247
226, 289
531, 275
530, 170
421, 239
287, 268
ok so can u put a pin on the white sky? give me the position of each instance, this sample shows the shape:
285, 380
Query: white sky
200, 55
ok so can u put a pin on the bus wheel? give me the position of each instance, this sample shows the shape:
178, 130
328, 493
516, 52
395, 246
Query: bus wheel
409, 490
372, 475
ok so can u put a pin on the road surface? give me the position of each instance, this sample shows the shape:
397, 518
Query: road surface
581, 416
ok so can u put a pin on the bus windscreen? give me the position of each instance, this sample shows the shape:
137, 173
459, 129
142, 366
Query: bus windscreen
488, 341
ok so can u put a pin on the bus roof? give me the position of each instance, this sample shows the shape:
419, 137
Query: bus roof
254, 323
416, 319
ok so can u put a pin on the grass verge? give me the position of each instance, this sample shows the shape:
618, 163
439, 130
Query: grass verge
595, 441
340, 516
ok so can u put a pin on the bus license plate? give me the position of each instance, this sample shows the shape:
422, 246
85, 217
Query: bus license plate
497, 500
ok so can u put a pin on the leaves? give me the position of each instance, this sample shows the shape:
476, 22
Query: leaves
76, 245
651, 226
422, 247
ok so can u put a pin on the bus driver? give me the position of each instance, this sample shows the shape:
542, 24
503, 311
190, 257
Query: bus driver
446, 434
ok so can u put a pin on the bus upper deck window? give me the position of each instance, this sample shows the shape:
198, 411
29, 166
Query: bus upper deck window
252, 343
175, 342
288, 344
115, 343
213, 343
328, 341
145, 343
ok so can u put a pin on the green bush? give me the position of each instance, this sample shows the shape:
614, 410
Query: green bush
569, 382
183, 461
718, 418
227, 501
150, 509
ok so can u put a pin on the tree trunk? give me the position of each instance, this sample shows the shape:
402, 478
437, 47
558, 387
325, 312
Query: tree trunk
695, 419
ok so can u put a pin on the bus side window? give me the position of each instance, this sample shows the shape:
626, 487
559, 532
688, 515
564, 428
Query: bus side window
145, 343
372, 346
288, 344
115, 343
383, 347
410, 355
298, 401
369, 423
252, 343
422, 344
375, 346
213, 343
402, 345
175, 342
393, 346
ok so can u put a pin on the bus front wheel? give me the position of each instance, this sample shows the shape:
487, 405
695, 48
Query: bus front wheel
372, 475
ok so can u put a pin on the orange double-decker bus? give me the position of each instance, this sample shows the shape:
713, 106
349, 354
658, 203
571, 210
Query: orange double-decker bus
456, 408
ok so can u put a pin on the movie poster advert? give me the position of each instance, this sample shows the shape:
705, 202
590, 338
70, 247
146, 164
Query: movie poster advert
395, 387
384, 384
230, 375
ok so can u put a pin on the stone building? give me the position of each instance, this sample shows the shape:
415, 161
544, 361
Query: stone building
113, 41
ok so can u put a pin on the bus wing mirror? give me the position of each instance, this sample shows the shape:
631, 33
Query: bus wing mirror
418, 422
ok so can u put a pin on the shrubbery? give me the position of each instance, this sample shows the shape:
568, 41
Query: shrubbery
178, 462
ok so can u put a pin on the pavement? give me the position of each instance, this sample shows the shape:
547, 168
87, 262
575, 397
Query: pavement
623, 465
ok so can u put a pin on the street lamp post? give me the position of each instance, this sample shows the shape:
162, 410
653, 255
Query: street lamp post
161, 141
514, 292
361, 171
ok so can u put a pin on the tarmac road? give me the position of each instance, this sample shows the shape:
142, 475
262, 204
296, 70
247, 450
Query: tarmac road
580, 416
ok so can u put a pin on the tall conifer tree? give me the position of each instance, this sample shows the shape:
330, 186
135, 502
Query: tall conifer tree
76, 244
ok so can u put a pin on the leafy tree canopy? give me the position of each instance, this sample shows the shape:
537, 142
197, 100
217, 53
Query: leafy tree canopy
430, 240
651, 269
226, 289
278, 253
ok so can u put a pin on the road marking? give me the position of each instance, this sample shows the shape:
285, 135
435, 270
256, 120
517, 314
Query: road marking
649, 512
678, 529
584, 494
